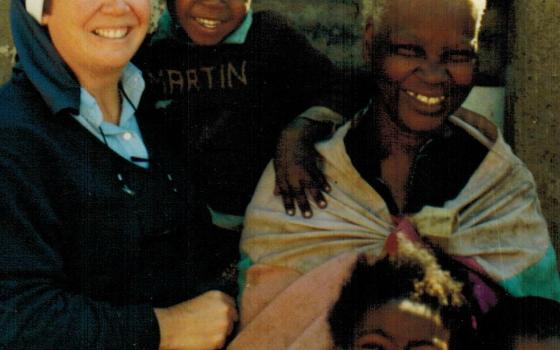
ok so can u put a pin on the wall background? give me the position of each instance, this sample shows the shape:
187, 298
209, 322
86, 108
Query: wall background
534, 88
518, 47
6, 48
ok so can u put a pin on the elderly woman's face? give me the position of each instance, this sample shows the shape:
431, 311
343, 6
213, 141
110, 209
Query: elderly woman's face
424, 59
97, 35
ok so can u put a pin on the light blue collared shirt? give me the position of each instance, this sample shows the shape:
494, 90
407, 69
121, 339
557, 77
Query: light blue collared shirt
239, 35
125, 139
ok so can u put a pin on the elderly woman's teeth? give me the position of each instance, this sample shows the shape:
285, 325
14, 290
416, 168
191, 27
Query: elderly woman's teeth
207, 23
111, 33
425, 99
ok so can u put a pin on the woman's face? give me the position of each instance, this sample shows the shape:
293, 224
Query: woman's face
401, 325
208, 22
94, 36
424, 60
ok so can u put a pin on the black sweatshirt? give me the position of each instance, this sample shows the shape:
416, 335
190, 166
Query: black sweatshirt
230, 101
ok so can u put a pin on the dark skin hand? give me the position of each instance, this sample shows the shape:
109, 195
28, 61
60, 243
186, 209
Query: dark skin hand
297, 165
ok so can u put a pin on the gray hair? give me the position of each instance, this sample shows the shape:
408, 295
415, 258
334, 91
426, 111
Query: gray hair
373, 11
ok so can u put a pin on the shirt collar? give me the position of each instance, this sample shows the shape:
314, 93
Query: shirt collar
240, 34
133, 85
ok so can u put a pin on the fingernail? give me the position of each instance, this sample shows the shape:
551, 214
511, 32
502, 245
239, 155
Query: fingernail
322, 204
291, 212
307, 214
327, 188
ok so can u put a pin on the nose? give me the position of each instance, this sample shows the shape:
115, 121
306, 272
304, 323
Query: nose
433, 72
115, 7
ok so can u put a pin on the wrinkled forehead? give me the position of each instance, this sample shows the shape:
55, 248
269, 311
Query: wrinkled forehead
438, 15
456, 13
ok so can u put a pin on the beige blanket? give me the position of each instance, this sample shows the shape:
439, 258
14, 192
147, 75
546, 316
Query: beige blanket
495, 222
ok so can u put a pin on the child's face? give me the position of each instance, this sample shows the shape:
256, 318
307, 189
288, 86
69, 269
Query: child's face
208, 22
426, 60
401, 325
534, 344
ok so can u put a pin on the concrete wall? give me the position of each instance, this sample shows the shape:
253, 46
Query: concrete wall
6, 47
534, 89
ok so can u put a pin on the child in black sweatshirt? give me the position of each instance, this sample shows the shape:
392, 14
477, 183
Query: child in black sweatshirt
230, 81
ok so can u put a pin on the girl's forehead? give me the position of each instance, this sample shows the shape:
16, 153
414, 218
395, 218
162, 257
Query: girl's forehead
388, 321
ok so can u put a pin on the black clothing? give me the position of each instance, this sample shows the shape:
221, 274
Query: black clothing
232, 100
90, 242
441, 168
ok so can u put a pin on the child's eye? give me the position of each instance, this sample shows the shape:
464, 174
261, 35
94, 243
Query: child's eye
371, 342
407, 50
371, 346
458, 56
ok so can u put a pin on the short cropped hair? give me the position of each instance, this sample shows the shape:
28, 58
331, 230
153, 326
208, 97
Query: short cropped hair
374, 10
412, 274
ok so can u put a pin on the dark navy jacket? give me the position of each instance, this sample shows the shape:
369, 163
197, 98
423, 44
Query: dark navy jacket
89, 242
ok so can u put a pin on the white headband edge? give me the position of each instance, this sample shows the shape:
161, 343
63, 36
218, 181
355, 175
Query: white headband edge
35, 9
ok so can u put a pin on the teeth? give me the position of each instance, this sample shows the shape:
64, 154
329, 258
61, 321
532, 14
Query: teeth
112, 33
207, 23
431, 101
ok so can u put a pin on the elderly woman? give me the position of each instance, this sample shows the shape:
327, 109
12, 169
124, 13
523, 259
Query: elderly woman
92, 207
412, 156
